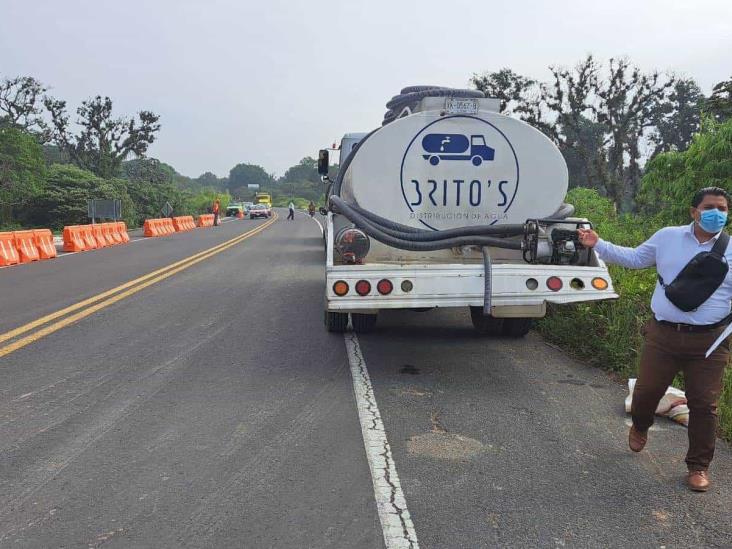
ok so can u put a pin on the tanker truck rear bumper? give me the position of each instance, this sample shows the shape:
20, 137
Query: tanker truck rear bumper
518, 290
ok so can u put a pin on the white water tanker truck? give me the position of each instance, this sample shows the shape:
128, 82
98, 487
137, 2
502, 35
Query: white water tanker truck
451, 204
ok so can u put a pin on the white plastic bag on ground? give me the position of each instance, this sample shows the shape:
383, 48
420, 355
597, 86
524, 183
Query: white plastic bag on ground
672, 404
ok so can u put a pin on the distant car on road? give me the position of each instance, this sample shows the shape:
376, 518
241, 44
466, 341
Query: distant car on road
234, 208
260, 210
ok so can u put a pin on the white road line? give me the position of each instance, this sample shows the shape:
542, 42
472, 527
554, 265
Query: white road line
320, 225
396, 522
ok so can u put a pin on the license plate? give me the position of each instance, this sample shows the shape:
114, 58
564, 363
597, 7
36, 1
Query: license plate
458, 105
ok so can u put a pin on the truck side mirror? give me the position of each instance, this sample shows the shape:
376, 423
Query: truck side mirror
323, 162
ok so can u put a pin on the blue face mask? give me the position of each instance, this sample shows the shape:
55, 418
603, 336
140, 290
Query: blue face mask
712, 221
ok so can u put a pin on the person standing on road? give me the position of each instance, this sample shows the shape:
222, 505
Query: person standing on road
216, 206
677, 339
291, 215
311, 209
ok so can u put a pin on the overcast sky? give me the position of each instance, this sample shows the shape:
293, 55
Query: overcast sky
272, 81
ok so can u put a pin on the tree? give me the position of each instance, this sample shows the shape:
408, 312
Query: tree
719, 104
103, 142
677, 120
672, 178
63, 200
208, 179
513, 90
624, 104
242, 175
21, 105
22, 171
305, 170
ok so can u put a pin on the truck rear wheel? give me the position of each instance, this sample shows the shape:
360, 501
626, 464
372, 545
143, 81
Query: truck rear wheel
485, 324
336, 322
517, 327
363, 323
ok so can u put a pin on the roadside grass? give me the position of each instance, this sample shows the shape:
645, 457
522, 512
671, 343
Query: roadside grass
607, 334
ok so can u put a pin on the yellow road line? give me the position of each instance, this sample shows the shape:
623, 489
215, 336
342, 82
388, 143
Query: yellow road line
75, 307
147, 280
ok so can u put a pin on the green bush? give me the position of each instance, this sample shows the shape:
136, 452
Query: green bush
63, 200
22, 174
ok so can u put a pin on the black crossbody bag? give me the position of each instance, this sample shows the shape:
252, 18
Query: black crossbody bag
700, 278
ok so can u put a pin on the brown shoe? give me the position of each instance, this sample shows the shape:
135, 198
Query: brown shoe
636, 439
698, 481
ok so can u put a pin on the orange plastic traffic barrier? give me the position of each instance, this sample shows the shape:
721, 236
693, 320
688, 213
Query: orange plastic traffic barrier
8, 252
73, 241
122, 231
43, 239
150, 228
206, 220
88, 235
27, 250
159, 227
183, 223
114, 231
108, 231
98, 232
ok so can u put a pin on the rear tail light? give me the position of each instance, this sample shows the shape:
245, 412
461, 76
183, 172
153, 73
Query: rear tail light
599, 283
554, 283
340, 288
363, 287
385, 287
352, 245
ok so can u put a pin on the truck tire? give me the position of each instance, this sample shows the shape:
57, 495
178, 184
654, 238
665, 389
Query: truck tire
363, 323
485, 325
336, 322
517, 327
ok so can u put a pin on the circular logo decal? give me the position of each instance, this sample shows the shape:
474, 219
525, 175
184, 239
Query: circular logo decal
457, 171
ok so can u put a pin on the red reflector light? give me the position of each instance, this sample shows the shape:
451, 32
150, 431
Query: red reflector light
384, 286
363, 287
554, 283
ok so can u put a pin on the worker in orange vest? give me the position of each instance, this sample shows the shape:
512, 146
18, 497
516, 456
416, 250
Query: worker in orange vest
216, 206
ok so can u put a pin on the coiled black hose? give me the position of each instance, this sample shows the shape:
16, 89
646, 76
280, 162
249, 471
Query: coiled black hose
411, 95
415, 234
405, 241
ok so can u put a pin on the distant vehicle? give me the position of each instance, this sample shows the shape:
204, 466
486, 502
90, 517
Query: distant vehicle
260, 210
247, 205
235, 207
263, 198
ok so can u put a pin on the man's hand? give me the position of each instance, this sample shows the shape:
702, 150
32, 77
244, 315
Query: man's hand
588, 237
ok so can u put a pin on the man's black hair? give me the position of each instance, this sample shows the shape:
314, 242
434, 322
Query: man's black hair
714, 191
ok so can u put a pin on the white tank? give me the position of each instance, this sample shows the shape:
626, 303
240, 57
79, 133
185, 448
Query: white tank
437, 170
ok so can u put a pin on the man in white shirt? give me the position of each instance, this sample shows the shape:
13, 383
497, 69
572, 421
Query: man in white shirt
291, 215
675, 340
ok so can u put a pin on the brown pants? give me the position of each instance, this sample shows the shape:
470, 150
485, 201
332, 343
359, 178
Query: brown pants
665, 353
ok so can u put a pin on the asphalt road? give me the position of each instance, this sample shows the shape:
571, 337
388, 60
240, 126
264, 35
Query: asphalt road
212, 409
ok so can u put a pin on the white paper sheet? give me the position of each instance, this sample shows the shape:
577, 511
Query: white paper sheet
720, 339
